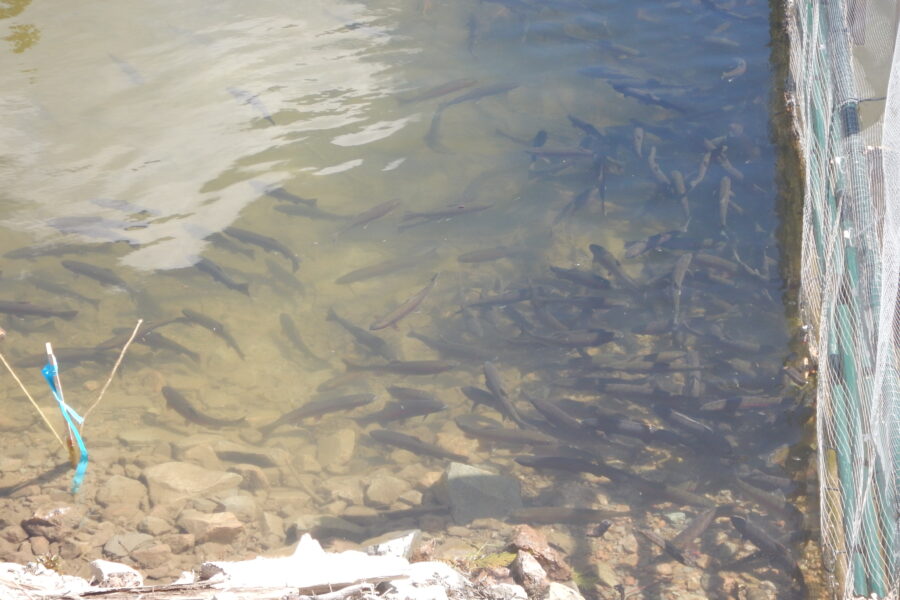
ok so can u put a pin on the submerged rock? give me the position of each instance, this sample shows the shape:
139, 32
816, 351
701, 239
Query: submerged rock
222, 527
474, 493
173, 481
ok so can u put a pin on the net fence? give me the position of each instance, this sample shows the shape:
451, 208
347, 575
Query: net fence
845, 97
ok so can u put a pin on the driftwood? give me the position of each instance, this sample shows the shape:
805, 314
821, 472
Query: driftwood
347, 590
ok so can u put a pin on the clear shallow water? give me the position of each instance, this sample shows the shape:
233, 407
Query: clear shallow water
135, 132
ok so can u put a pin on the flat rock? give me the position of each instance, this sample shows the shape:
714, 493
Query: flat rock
122, 490
123, 544
173, 481
109, 574
474, 493
385, 490
335, 449
222, 527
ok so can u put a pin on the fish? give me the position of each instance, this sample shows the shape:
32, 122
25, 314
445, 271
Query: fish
133, 75
588, 338
386, 267
638, 141
480, 92
725, 195
701, 170
318, 408
279, 193
484, 428
177, 402
364, 218
772, 548
52, 287
670, 548
253, 100
678, 274
437, 91
68, 356
732, 74
363, 337
709, 438
654, 242
480, 396
27, 308
415, 445
608, 261
487, 254
101, 274
33, 252
154, 339
555, 414
410, 217
454, 349
224, 242
216, 272
265, 242
549, 515
726, 165
494, 383
215, 326
646, 96
282, 275
582, 278
432, 138
657, 172
585, 127
308, 211
406, 367
289, 328
408, 306
410, 403
695, 528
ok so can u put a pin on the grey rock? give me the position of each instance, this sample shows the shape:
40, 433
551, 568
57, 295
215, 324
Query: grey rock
529, 573
385, 490
243, 507
122, 490
173, 481
558, 591
112, 574
335, 449
154, 525
505, 591
395, 543
123, 544
474, 493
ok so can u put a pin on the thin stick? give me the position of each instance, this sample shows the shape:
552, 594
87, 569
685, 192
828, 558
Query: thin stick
35, 404
114, 369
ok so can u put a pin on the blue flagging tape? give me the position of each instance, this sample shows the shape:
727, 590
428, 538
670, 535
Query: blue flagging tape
68, 413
